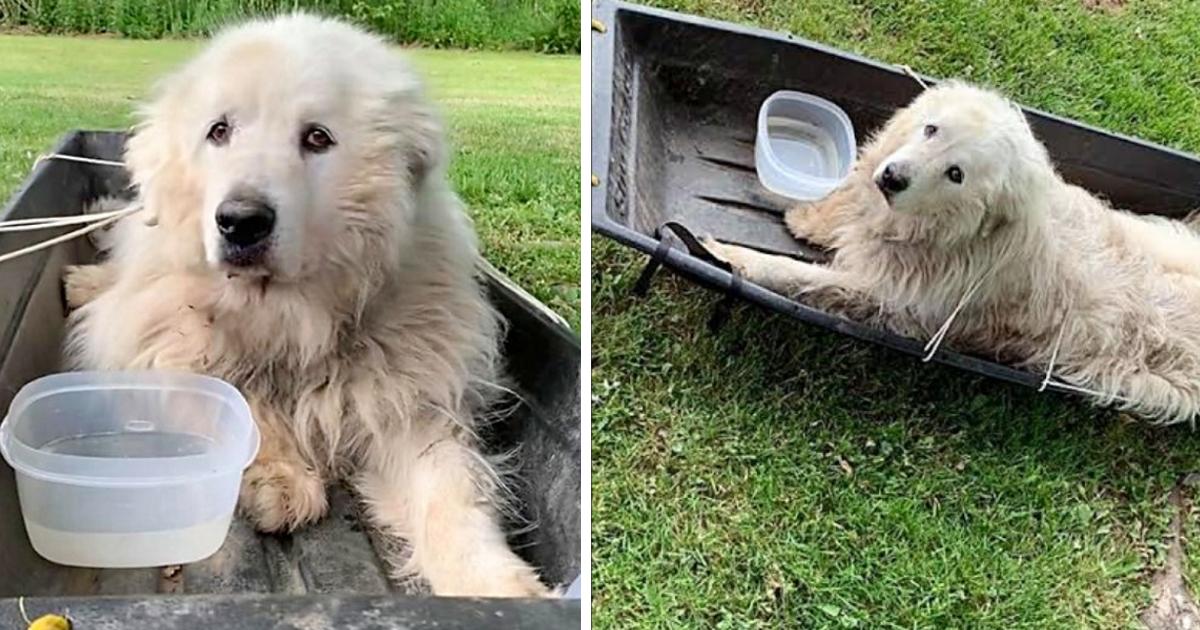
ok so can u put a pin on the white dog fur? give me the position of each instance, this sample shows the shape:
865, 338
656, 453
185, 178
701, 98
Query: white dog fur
362, 338
1048, 258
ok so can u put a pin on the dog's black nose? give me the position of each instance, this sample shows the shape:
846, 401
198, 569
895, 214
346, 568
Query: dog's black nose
245, 221
891, 181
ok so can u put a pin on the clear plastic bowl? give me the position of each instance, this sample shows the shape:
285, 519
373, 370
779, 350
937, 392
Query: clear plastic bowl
575, 590
128, 469
804, 146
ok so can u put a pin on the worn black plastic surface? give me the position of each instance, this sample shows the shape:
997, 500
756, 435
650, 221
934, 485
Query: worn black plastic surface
294, 613
339, 554
675, 101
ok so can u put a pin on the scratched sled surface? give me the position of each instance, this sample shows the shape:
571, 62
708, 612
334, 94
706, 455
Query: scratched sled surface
675, 100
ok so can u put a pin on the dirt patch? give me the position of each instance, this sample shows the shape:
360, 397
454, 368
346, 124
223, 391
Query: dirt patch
1105, 6
1173, 607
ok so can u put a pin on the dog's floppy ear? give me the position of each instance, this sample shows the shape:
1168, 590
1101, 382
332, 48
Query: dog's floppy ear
990, 223
888, 139
1030, 171
154, 153
427, 147
409, 117
146, 155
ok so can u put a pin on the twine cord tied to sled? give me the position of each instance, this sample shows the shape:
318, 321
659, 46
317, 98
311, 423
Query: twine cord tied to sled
935, 341
90, 222
1057, 344
1060, 384
906, 69
1048, 380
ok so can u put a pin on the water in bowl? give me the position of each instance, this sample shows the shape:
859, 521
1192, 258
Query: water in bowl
131, 444
115, 549
803, 146
129, 549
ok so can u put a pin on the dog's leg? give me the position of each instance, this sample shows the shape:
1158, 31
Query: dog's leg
438, 493
818, 221
781, 274
83, 283
280, 491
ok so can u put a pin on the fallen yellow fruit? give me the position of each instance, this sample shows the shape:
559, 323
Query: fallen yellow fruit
50, 622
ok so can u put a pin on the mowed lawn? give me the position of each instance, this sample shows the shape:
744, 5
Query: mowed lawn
513, 120
775, 475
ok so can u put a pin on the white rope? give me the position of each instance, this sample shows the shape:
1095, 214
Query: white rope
91, 222
75, 158
1054, 352
913, 74
1050, 381
59, 239
935, 342
1092, 392
151, 219
45, 223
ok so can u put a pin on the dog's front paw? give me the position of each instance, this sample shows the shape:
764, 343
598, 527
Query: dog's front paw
514, 580
524, 583
730, 254
83, 283
818, 222
280, 496
804, 222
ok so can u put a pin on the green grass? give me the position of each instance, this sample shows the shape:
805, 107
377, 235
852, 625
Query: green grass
513, 121
539, 25
778, 475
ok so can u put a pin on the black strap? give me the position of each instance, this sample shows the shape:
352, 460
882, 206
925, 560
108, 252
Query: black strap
693, 244
689, 240
642, 286
722, 309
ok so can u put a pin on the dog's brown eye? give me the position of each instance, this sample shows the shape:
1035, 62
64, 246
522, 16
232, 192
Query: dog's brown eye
316, 140
954, 174
930, 130
218, 133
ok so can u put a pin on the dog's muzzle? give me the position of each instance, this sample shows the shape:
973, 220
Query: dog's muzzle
246, 223
891, 181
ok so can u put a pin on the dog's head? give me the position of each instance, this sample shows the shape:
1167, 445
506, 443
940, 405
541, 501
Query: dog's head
285, 146
960, 150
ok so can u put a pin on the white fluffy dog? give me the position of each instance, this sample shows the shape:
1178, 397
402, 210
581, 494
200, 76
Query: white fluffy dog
306, 247
956, 205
